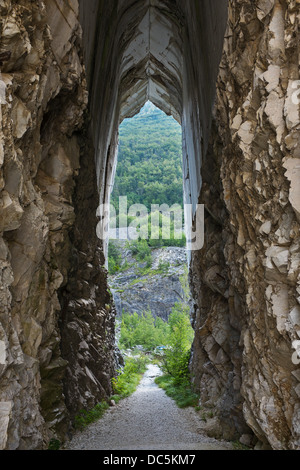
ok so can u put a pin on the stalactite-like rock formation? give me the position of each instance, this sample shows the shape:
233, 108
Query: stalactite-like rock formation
228, 71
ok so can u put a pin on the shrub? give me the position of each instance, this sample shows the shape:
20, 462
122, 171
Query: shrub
114, 258
183, 394
140, 249
54, 444
163, 266
160, 237
175, 360
144, 330
176, 357
86, 417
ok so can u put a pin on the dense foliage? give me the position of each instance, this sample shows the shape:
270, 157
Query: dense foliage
149, 169
149, 172
128, 379
143, 330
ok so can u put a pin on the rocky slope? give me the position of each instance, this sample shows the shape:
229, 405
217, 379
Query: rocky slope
156, 288
246, 279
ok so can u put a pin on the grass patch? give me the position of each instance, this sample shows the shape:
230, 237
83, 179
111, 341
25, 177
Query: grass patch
151, 272
137, 281
86, 417
182, 394
129, 378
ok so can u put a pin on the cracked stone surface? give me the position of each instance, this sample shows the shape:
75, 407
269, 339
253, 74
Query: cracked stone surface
244, 312
229, 73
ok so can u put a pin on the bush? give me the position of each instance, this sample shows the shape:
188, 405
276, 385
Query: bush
157, 232
163, 266
114, 258
112, 266
183, 394
176, 357
148, 260
86, 417
140, 249
54, 444
127, 380
175, 360
144, 330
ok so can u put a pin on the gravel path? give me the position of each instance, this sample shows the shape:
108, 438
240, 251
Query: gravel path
147, 420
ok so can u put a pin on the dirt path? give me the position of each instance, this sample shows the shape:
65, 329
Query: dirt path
147, 420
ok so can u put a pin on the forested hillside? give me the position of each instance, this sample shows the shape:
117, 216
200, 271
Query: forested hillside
149, 169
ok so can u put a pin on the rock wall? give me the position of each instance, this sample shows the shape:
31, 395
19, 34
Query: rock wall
246, 280
43, 228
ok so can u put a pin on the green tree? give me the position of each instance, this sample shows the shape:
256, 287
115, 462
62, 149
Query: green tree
176, 359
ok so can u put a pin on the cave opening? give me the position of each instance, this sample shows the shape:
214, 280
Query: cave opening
148, 176
147, 259
143, 51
